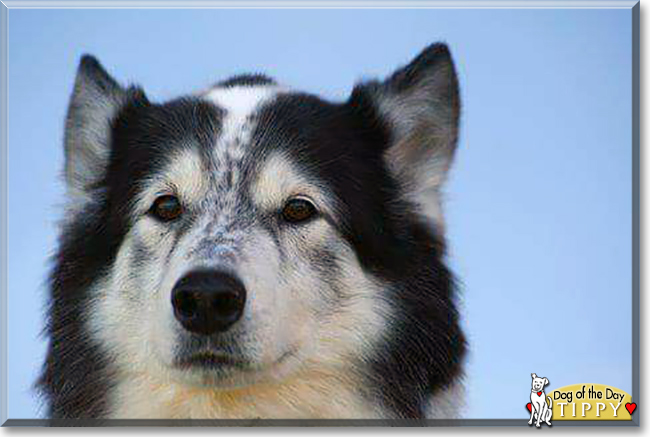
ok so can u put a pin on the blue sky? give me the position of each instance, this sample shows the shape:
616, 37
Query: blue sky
539, 205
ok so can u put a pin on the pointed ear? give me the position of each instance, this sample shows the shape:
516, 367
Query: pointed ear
95, 102
533, 375
420, 104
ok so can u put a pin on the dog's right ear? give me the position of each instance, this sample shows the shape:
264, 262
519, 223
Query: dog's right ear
419, 104
533, 375
96, 100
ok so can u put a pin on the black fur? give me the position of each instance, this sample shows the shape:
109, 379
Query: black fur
246, 80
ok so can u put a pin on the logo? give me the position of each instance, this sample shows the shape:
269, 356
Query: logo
577, 402
540, 410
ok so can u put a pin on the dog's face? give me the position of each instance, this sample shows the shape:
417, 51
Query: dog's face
249, 231
538, 383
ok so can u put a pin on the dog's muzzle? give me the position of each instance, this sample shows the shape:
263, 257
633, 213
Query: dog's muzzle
208, 301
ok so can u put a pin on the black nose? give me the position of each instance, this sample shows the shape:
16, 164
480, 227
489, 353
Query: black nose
208, 301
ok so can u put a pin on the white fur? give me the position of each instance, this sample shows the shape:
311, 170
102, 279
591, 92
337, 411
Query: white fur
239, 103
279, 179
185, 177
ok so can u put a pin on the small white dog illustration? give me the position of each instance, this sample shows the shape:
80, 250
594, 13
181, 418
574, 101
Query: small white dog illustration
541, 411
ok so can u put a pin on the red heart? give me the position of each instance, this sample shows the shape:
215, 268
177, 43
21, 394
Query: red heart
539, 393
630, 407
529, 406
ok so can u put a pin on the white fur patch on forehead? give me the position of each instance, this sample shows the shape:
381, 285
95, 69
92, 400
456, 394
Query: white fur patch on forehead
184, 176
241, 101
239, 104
280, 179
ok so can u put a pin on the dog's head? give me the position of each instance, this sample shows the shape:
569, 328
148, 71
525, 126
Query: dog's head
538, 383
245, 231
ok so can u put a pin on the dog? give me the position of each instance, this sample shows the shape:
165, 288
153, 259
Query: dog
252, 251
540, 411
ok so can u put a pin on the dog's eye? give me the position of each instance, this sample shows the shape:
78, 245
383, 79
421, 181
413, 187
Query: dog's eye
298, 210
166, 208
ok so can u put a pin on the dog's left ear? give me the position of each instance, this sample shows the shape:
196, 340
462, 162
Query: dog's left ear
96, 100
545, 381
420, 105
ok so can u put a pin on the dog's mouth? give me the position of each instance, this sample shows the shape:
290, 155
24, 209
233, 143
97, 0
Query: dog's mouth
211, 360
224, 371
220, 361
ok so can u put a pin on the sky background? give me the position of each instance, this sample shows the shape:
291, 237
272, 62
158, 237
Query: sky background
539, 202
